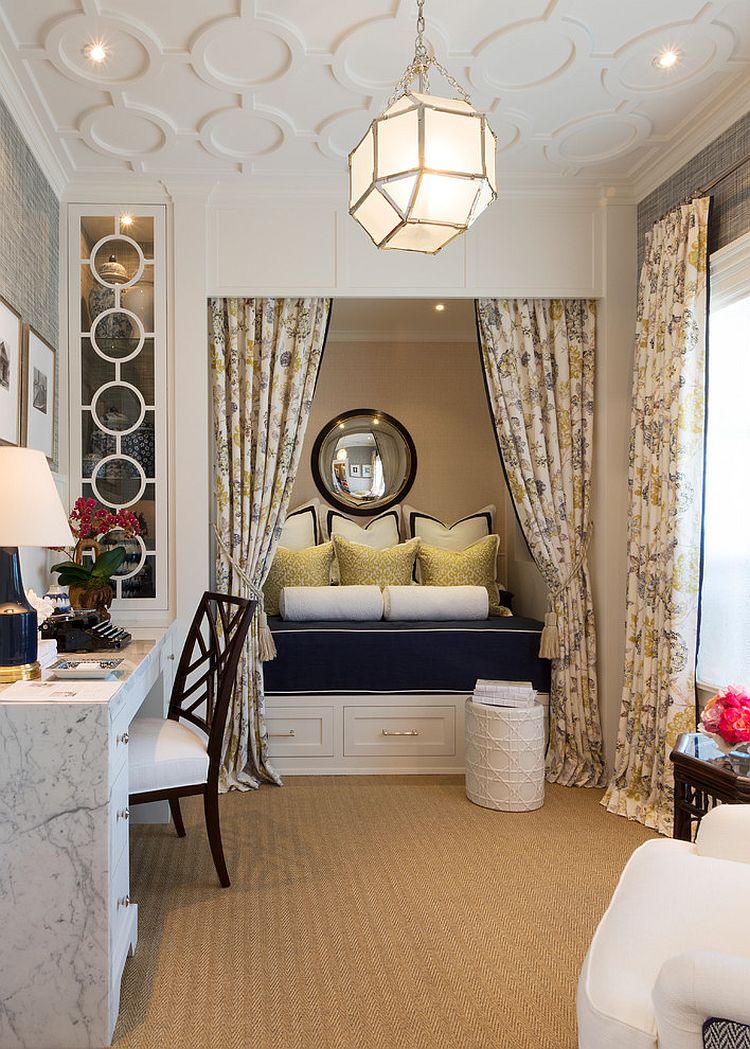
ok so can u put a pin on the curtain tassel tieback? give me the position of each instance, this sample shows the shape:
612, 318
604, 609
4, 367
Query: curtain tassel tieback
549, 642
266, 643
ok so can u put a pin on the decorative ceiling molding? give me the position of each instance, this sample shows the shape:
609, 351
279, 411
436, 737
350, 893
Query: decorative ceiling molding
281, 91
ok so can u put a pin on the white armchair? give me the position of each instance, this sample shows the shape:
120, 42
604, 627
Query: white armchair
673, 948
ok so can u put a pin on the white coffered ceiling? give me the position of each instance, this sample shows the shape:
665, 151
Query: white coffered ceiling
232, 88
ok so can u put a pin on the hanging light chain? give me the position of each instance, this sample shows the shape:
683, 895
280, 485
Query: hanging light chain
418, 68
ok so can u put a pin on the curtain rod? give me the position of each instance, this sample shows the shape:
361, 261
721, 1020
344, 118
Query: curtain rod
724, 174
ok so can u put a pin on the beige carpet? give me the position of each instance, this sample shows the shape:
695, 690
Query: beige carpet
369, 912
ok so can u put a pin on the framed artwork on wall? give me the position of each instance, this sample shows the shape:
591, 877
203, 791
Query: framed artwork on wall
39, 397
366, 469
354, 470
10, 374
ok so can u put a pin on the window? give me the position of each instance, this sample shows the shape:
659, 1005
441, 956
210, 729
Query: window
724, 642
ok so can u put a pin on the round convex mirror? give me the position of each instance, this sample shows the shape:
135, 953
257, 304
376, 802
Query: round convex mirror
363, 461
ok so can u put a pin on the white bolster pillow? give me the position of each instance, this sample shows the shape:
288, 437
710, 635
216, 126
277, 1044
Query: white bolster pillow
304, 603
436, 602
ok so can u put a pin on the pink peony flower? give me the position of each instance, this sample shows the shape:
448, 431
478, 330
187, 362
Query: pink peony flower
712, 714
734, 726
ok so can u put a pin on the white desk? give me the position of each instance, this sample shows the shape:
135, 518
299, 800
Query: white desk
67, 923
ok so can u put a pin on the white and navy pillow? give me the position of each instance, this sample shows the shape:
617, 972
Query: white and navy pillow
378, 534
301, 527
457, 536
465, 532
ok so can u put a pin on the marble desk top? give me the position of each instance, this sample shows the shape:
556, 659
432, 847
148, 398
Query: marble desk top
134, 657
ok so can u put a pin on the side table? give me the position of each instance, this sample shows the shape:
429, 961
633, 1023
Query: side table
505, 756
703, 776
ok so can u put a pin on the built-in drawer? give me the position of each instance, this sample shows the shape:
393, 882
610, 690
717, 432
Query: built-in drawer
118, 741
390, 730
119, 817
303, 732
119, 900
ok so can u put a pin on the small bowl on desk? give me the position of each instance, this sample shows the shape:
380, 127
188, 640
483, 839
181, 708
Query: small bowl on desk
85, 669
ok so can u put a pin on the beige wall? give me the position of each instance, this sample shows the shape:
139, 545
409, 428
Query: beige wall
609, 509
437, 391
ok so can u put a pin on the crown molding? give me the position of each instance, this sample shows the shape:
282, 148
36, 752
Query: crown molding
692, 136
29, 125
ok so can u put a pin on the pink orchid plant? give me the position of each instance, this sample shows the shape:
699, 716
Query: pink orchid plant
90, 521
726, 718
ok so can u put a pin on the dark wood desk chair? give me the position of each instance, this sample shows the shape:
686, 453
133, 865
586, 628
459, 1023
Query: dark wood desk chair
167, 760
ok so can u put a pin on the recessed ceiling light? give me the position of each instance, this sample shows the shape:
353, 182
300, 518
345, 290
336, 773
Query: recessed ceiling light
96, 51
668, 58
440, 306
126, 220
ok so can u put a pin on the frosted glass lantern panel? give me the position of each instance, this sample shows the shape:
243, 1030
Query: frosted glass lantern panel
422, 237
443, 198
454, 105
398, 144
362, 168
453, 143
484, 199
490, 151
377, 216
401, 190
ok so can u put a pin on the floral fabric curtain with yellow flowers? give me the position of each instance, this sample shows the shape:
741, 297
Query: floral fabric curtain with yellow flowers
539, 359
664, 527
265, 355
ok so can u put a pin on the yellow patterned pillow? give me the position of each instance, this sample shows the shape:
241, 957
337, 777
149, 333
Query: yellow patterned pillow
474, 566
361, 565
308, 567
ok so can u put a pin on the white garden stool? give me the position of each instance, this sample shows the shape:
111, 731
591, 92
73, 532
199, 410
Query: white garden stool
505, 756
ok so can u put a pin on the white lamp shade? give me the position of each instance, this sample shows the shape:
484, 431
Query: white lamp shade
31, 513
422, 173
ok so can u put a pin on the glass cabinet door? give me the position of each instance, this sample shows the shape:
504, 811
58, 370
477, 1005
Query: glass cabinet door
118, 389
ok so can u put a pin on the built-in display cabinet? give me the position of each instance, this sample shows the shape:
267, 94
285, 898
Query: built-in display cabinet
118, 396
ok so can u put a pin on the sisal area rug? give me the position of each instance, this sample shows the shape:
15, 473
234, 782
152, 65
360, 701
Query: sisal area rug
369, 913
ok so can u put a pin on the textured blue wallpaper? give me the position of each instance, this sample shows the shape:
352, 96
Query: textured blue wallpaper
730, 210
29, 233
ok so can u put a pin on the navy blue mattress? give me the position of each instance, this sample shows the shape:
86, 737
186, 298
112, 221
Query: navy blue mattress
381, 656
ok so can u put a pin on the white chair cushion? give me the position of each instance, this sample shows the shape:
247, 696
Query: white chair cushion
162, 754
668, 901
724, 833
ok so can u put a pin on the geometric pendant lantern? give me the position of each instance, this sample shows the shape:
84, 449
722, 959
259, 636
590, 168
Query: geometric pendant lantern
425, 169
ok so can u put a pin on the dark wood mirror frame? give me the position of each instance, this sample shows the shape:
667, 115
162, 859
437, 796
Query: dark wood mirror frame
368, 510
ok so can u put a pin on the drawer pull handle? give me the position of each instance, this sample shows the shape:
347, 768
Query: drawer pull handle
409, 732
123, 814
124, 901
283, 735
124, 738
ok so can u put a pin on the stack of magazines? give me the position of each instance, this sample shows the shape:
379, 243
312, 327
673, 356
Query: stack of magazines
505, 693
47, 652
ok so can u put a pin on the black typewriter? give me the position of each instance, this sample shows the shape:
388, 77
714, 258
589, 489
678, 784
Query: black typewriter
85, 630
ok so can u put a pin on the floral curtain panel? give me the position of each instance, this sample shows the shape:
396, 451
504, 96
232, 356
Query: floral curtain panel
265, 355
664, 527
539, 360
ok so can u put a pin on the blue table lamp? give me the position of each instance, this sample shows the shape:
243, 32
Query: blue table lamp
31, 514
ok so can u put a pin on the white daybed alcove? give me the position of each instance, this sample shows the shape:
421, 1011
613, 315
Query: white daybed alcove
258, 238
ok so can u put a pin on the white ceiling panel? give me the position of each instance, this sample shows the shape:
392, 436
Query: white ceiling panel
288, 86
